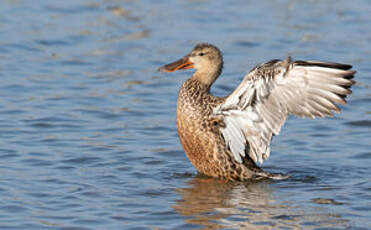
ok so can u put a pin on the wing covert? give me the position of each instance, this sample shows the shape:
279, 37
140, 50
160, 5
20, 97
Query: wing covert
257, 109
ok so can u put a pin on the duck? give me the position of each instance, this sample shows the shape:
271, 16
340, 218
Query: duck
229, 137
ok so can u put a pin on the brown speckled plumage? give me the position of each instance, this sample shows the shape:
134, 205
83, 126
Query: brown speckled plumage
200, 135
204, 121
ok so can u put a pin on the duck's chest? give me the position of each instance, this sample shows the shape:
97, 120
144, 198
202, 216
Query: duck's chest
198, 129
194, 106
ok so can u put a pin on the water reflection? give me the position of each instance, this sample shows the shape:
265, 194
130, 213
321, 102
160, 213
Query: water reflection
217, 204
210, 202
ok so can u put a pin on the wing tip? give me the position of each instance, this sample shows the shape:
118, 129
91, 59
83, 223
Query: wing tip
333, 65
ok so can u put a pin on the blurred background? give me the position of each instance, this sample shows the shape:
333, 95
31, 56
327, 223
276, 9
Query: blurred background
87, 125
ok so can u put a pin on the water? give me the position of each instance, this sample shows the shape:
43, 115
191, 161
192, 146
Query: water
88, 137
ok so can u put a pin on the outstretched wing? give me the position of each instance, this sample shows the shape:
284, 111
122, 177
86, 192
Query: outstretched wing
259, 106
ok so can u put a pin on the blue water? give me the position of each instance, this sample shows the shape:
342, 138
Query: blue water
87, 126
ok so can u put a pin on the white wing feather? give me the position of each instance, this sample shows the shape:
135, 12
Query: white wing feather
259, 106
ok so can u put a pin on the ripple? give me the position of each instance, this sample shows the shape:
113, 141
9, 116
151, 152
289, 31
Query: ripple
23, 47
41, 125
362, 156
326, 201
14, 208
37, 162
77, 227
5, 154
247, 44
76, 9
86, 160
360, 123
52, 42
75, 62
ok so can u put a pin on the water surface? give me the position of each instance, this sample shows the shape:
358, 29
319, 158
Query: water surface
87, 126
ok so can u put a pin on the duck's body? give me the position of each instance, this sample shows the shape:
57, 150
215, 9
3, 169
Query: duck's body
226, 137
200, 135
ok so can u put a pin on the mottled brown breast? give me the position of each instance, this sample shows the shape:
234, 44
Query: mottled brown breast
198, 130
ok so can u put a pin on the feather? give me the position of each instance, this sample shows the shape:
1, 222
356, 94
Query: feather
259, 106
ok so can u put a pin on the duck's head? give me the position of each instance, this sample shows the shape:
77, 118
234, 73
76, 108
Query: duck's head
205, 58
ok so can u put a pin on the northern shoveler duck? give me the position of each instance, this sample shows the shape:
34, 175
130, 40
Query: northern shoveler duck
226, 137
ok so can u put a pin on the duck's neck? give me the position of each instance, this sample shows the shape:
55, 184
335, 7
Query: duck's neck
207, 77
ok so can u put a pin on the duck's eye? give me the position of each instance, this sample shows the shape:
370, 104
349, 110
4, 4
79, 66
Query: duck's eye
201, 54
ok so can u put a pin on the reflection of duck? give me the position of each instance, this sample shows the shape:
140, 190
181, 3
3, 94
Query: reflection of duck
226, 137
207, 201
215, 204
